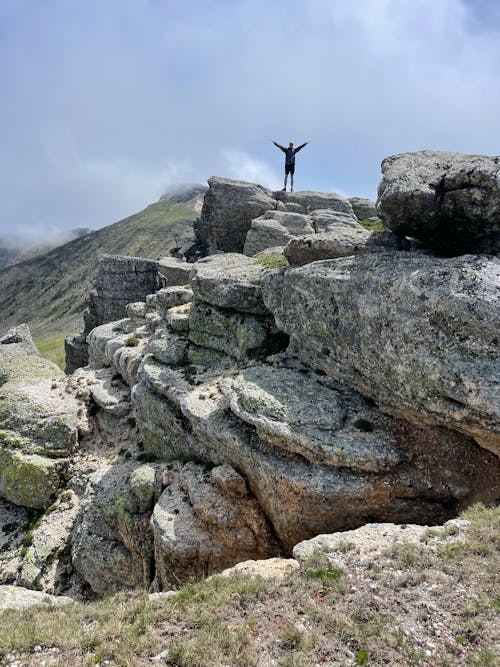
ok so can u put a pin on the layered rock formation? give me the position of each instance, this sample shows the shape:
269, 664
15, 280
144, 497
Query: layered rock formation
118, 281
237, 409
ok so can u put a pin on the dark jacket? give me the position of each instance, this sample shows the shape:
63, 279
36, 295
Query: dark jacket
290, 152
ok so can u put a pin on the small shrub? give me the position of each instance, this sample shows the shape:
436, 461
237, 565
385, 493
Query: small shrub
271, 260
132, 341
361, 657
291, 636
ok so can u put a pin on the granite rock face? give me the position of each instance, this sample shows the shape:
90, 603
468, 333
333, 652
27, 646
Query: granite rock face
202, 526
228, 208
112, 540
249, 408
229, 281
364, 209
37, 424
417, 334
449, 201
306, 201
343, 242
275, 228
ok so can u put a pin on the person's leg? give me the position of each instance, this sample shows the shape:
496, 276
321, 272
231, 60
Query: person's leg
286, 178
291, 181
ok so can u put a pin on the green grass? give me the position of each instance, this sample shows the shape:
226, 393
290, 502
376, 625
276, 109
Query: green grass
373, 225
52, 348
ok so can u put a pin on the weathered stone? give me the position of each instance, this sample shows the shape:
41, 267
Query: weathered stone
364, 209
342, 242
110, 394
174, 271
48, 543
169, 297
305, 201
18, 598
373, 539
199, 529
229, 481
449, 201
240, 335
268, 568
275, 228
416, 333
14, 522
110, 346
169, 348
19, 338
306, 416
439, 472
118, 281
76, 352
112, 540
228, 208
137, 310
229, 281
326, 220
177, 318
37, 425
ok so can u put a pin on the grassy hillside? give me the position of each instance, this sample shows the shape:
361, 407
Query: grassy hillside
49, 292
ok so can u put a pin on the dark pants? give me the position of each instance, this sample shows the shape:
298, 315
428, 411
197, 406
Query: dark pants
290, 169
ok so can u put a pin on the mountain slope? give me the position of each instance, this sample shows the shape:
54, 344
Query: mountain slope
49, 291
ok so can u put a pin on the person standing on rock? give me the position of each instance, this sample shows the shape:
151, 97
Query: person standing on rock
290, 153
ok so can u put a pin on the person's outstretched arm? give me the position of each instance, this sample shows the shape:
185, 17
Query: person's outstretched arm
279, 146
299, 148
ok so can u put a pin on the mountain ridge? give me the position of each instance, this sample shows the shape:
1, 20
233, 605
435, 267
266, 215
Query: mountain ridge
49, 291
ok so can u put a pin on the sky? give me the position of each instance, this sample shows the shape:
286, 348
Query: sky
104, 104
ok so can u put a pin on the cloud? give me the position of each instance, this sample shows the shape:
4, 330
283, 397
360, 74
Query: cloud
104, 105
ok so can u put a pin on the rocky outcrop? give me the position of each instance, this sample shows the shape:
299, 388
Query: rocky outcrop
275, 228
364, 209
205, 521
254, 407
304, 444
117, 282
306, 201
230, 207
112, 540
449, 201
37, 424
417, 334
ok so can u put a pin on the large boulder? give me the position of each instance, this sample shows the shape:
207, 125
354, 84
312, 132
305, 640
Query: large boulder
449, 201
417, 334
363, 208
38, 430
229, 207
